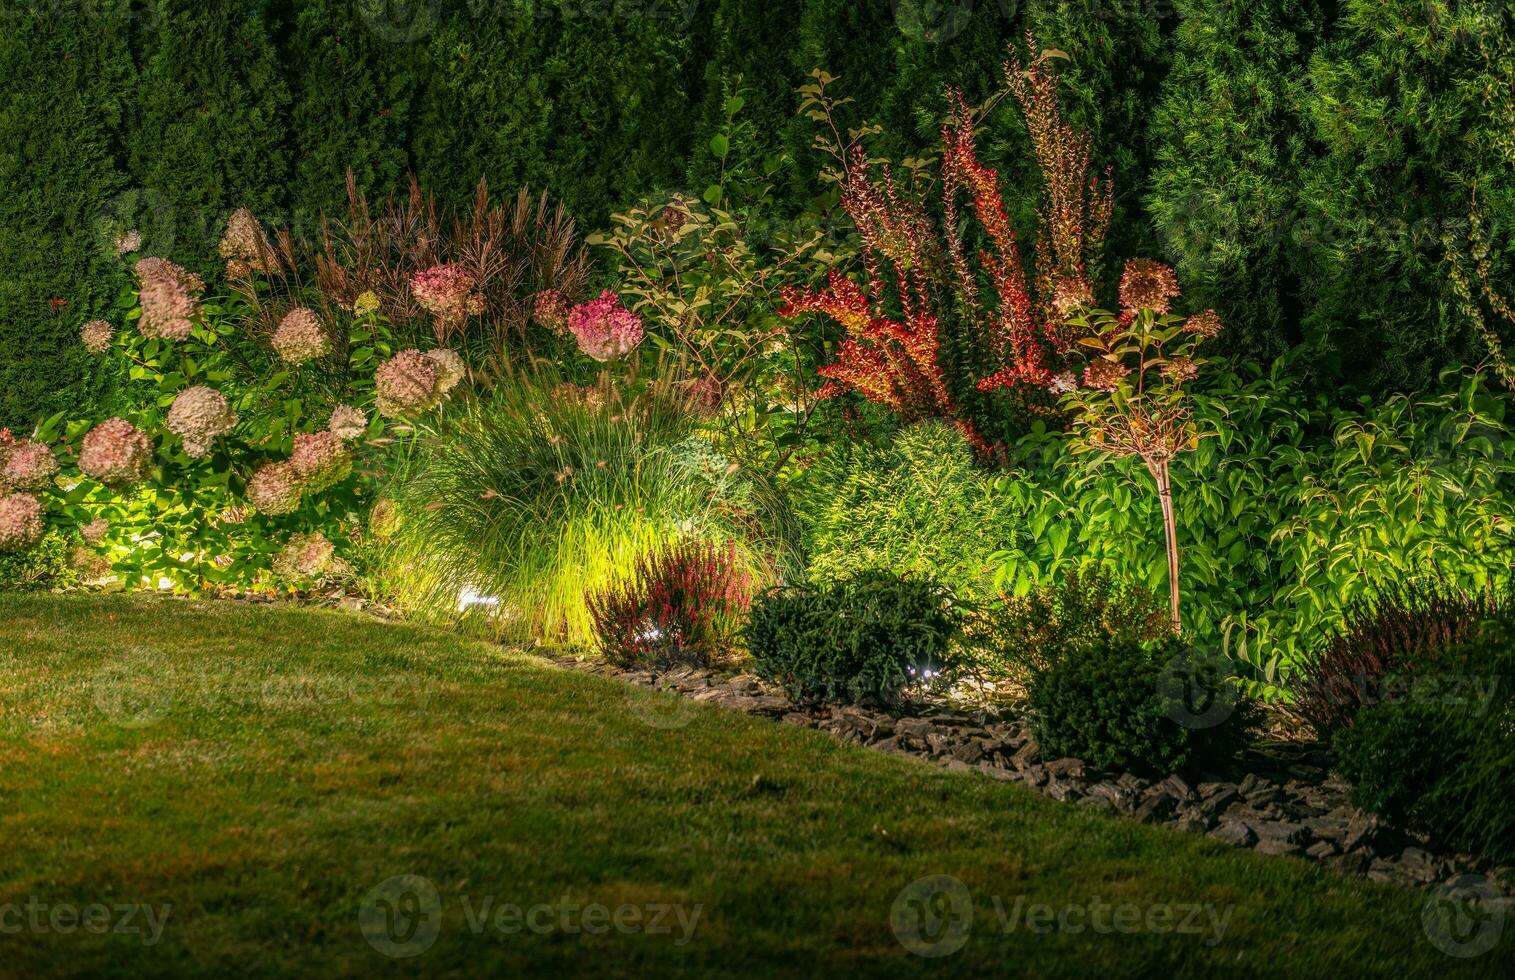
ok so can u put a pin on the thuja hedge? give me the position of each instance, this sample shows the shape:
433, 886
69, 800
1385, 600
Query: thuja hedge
1302, 162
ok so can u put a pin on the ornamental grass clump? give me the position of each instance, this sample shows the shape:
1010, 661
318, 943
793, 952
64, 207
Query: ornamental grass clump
524, 502
680, 604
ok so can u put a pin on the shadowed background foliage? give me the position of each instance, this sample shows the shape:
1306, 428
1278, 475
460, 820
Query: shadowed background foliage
1301, 161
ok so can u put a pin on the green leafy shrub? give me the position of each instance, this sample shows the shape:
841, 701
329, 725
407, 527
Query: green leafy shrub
1395, 634
1087, 607
1125, 705
1442, 759
47, 566
866, 639
528, 500
680, 604
919, 506
1289, 513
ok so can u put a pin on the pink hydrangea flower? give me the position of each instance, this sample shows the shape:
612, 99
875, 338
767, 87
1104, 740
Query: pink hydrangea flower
347, 423
404, 383
604, 328
30, 466
320, 459
198, 415
275, 489
116, 453
446, 292
128, 242
412, 382
300, 337
97, 336
20, 521
306, 556
245, 246
550, 308
449, 367
169, 298
94, 532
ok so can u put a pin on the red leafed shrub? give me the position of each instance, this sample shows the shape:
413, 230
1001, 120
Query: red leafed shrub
680, 604
921, 276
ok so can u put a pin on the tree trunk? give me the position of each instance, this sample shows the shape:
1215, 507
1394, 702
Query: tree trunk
1170, 529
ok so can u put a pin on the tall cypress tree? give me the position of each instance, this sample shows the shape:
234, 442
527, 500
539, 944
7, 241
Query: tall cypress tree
1230, 140
209, 126
64, 77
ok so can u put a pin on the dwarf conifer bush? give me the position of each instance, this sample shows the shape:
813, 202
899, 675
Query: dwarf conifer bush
866, 638
1150, 707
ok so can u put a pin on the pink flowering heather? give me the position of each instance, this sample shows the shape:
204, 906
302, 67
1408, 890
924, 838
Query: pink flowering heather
275, 489
20, 521
198, 415
30, 466
97, 336
550, 308
446, 291
300, 337
169, 299
306, 556
604, 328
116, 453
347, 423
320, 459
128, 242
94, 532
405, 384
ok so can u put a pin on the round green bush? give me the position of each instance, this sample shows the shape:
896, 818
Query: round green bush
864, 639
1126, 705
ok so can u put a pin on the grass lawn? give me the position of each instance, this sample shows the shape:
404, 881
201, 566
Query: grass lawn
189, 788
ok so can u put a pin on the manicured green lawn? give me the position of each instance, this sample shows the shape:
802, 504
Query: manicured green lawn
263, 770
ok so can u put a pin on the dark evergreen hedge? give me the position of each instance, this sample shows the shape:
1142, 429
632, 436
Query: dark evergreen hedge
1300, 160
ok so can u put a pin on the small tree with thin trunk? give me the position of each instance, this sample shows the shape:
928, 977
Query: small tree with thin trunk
1131, 399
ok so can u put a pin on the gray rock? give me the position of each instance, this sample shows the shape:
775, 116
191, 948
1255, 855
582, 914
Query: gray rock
1156, 808
1233, 832
1067, 768
1029, 755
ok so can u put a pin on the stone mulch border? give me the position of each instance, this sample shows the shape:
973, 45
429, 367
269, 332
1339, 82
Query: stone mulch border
1286, 803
